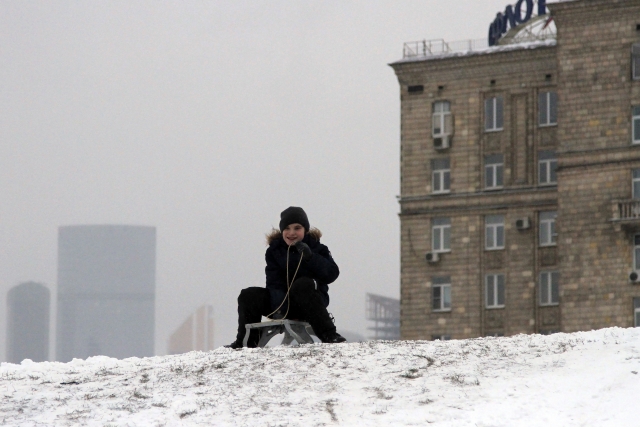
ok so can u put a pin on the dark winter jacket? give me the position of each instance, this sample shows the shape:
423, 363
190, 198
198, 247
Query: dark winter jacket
321, 267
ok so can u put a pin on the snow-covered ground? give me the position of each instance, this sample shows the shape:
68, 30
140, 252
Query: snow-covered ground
579, 379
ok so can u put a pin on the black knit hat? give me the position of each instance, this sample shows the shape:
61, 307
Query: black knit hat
293, 215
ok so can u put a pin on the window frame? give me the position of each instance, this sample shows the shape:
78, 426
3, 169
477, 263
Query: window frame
497, 171
494, 114
443, 117
550, 233
548, 159
635, 61
547, 108
441, 226
492, 228
443, 284
495, 284
636, 312
549, 286
442, 176
636, 252
635, 184
635, 125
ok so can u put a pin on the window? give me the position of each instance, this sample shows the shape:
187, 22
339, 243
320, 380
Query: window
441, 234
547, 165
493, 171
495, 290
493, 110
636, 312
636, 252
548, 233
635, 61
635, 124
441, 177
547, 108
441, 294
549, 290
494, 232
441, 119
635, 184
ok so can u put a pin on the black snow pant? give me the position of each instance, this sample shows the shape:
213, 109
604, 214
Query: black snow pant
305, 304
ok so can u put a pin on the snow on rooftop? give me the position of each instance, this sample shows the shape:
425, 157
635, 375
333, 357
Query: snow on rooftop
579, 379
479, 51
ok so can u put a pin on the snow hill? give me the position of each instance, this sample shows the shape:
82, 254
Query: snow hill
580, 379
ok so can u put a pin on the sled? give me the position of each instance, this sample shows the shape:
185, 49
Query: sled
293, 330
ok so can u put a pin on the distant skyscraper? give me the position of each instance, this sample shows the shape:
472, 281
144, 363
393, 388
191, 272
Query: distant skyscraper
28, 323
106, 291
195, 333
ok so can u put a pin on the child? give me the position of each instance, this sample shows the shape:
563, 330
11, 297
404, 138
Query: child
299, 270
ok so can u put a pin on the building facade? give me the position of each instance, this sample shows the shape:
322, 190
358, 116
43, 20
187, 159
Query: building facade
28, 322
106, 291
520, 180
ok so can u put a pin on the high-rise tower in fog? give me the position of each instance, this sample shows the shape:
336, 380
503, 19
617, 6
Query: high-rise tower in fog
106, 291
28, 323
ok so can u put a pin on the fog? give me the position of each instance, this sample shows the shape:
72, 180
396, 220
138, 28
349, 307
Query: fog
205, 119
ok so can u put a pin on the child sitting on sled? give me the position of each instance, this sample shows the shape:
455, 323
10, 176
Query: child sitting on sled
298, 272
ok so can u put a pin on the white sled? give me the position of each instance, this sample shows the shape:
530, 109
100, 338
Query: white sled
293, 330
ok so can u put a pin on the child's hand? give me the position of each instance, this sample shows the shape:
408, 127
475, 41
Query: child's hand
304, 250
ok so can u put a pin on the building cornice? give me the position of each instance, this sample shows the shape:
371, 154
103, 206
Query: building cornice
479, 201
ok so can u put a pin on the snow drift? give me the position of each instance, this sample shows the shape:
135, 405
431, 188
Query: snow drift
579, 379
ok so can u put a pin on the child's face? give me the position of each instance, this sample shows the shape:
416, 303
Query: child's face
293, 233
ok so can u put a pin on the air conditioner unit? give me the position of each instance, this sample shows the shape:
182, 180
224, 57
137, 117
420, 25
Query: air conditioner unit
633, 277
523, 223
433, 257
441, 142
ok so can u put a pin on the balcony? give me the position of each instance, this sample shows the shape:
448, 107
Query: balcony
626, 213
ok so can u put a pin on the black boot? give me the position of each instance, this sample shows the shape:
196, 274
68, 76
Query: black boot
234, 345
332, 337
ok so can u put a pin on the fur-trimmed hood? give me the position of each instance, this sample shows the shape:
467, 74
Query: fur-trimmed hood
274, 234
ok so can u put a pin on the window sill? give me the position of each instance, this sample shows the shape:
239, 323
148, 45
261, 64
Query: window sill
493, 188
444, 251
493, 130
496, 307
494, 249
438, 193
548, 184
444, 310
549, 245
552, 304
549, 125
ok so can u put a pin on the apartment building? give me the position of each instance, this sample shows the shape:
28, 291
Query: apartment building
520, 175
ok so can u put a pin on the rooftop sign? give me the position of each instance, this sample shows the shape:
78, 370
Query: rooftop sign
513, 17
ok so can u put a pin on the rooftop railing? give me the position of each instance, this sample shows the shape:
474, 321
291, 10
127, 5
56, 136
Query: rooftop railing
426, 48
439, 46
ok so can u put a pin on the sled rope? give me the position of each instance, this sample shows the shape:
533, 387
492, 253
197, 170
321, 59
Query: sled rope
289, 284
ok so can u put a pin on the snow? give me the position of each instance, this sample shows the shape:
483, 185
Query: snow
579, 379
483, 51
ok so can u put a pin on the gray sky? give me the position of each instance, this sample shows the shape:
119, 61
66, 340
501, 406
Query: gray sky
206, 119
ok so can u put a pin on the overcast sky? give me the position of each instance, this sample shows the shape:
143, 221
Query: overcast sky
206, 119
